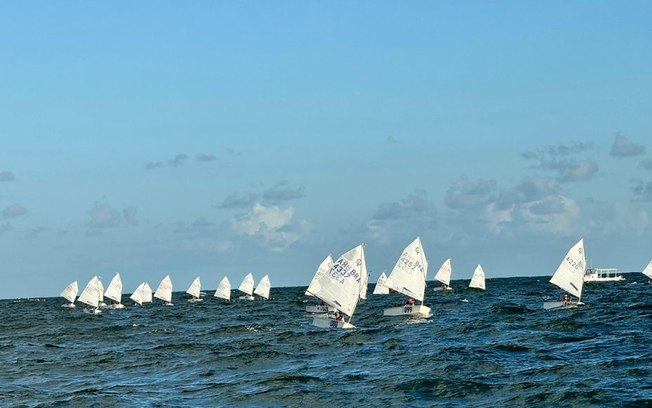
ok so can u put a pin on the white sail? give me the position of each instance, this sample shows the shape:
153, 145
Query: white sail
114, 290
569, 276
364, 279
147, 293
91, 293
444, 273
194, 288
224, 289
648, 270
101, 290
477, 281
339, 286
409, 274
324, 266
164, 290
380, 288
70, 292
263, 287
247, 285
139, 294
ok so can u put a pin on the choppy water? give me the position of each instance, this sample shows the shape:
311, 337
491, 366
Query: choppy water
499, 349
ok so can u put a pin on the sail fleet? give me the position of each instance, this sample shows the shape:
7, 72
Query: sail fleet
340, 285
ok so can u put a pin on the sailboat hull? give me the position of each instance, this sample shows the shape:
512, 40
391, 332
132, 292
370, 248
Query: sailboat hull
561, 305
408, 310
329, 323
442, 288
68, 305
246, 297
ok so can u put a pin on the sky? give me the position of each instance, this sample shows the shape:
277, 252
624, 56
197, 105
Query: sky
215, 139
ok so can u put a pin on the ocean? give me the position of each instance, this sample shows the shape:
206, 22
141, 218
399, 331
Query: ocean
498, 349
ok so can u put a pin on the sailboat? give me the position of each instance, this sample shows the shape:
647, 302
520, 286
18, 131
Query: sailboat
194, 289
70, 293
409, 278
91, 296
381, 288
223, 290
164, 291
339, 287
142, 294
444, 276
648, 271
114, 292
247, 287
263, 287
101, 290
569, 276
324, 266
477, 281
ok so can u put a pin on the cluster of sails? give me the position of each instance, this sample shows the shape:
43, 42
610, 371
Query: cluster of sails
340, 285
94, 294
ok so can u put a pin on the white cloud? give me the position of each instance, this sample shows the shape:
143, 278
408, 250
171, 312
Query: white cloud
273, 225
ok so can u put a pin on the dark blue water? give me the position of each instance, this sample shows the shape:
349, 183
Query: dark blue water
499, 349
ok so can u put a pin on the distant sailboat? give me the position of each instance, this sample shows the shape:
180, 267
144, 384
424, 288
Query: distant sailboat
324, 266
569, 276
114, 292
477, 281
444, 276
194, 290
70, 293
648, 271
409, 278
263, 287
142, 294
223, 290
91, 296
339, 287
101, 290
247, 287
380, 288
164, 291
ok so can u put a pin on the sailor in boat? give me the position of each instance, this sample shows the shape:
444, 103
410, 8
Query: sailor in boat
338, 316
409, 302
566, 299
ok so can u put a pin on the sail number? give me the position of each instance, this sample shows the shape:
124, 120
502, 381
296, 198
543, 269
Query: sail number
407, 309
342, 270
406, 262
575, 264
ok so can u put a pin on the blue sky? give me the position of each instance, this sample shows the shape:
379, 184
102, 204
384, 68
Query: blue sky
222, 138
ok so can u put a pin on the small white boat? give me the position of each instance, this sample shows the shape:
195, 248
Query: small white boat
223, 290
602, 275
90, 296
569, 276
263, 287
340, 287
70, 293
443, 275
477, 281
194, 290
409, 278
114, 293
142, 294
381, 288
164, 291
247, 287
